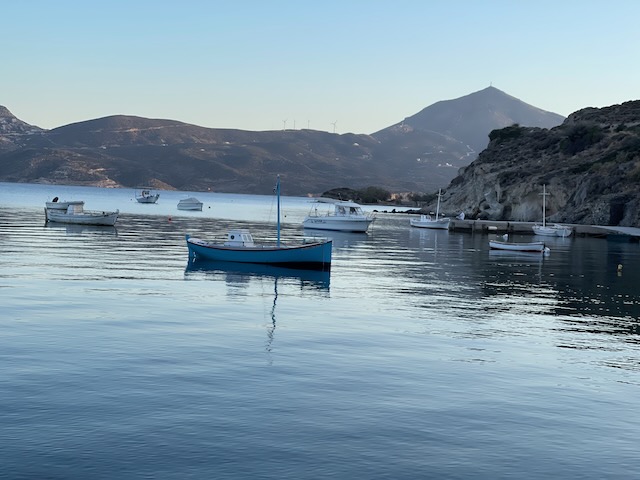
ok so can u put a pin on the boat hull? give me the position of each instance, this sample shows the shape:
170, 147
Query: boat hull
562, 231
337, 224
442, 224
552, 231
149, 199
315, 255
517, 247
544, 231
84, 218
190, 203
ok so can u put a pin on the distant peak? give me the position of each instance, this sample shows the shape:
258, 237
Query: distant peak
9, 123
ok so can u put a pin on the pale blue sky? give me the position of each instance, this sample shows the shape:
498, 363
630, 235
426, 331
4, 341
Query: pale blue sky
362, 64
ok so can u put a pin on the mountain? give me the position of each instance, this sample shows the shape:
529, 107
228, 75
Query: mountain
590, 165
449, 134
420, 154
12, 128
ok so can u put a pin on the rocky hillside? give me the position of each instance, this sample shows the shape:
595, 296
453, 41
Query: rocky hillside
590, 165
12, 128
422, 153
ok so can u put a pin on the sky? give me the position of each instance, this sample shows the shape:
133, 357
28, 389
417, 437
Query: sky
335, 65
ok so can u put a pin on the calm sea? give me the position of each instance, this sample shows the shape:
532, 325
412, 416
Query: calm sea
420, 355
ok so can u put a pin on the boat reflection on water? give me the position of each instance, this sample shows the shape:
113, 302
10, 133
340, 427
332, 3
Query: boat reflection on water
535, 257
340, 239
76, 230
243, 272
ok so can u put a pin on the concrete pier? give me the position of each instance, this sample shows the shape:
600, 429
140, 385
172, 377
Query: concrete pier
490, 226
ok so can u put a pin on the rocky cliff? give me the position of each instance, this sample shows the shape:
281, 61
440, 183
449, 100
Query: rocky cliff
590, 165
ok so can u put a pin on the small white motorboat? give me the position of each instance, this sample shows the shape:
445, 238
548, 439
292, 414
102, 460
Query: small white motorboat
77, 215
191, 203
145, 195
427, 221
346, 217
518, 247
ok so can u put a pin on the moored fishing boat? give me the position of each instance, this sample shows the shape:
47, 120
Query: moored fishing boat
518, 246
147, 196
240, 247
77, 215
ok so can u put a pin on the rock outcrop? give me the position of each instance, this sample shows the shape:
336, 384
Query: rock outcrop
590, 165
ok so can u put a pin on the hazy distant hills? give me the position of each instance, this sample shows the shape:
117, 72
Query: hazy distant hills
420, 154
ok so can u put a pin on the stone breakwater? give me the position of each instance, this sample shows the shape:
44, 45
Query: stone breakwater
491, 226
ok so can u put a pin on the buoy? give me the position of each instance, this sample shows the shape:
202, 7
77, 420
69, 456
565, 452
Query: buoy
169, 218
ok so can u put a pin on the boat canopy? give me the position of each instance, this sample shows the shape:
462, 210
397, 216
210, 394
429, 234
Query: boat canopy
239, 238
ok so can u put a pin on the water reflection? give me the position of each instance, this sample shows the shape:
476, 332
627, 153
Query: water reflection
243, 272
340, 239
75, 230
240, 275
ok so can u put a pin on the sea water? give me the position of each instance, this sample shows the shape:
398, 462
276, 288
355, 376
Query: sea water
422, 354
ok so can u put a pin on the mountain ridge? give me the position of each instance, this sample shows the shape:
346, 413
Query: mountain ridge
122, 150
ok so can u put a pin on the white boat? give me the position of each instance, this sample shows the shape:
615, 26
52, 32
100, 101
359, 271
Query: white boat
346, 217
240, 247
427, 221
554, 230
190, 203
518, 247
145, 195
77, 215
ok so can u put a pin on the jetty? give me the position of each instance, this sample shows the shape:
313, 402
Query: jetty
631, 234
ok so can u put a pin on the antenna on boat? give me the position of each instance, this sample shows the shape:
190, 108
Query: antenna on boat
278, 197
544, 204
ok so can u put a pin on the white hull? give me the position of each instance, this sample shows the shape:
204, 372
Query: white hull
346, 217
544, 231
190, 204
84, 218
517, 247
148, 199
440, 224
553, 230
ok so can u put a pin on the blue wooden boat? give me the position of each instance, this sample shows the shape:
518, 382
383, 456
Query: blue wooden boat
240, 247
